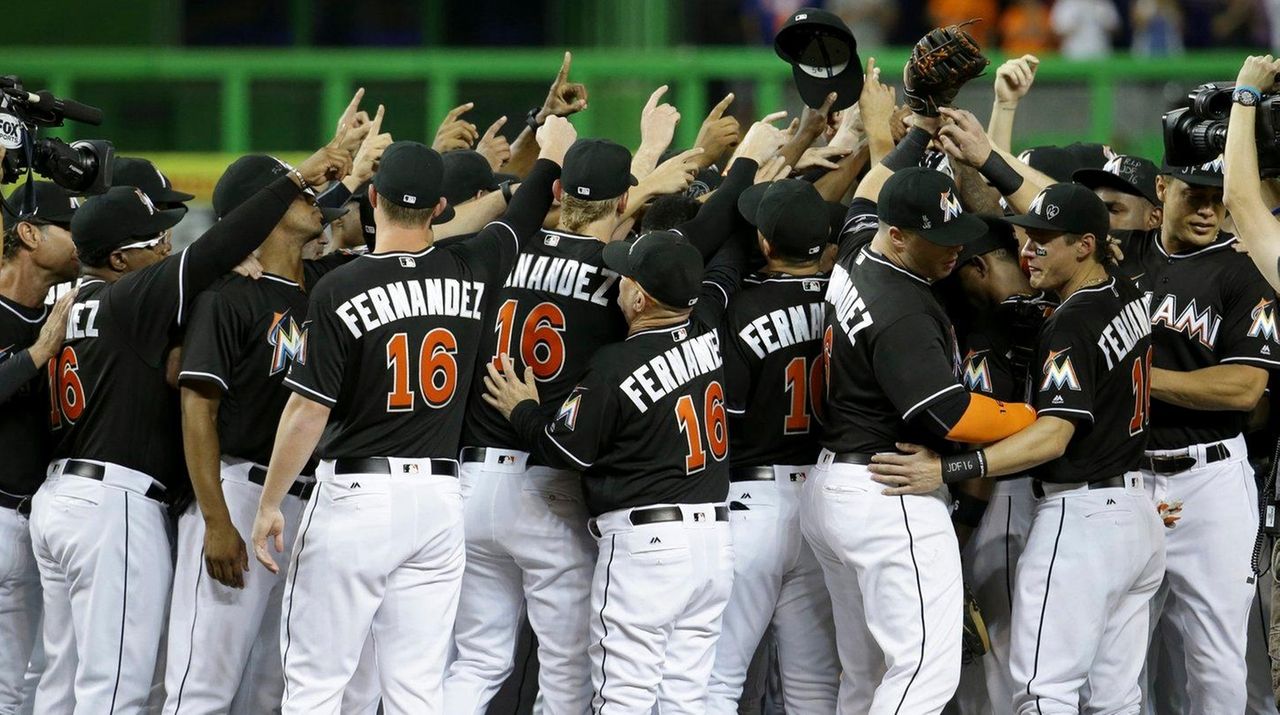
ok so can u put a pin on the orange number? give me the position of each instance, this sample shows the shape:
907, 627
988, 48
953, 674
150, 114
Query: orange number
541, 339
437, 370
506, 319
1141, 394
690, 425
66, 390
717, 429
803, 382
400, 399
687, 416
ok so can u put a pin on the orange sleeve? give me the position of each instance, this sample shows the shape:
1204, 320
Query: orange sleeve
988, 420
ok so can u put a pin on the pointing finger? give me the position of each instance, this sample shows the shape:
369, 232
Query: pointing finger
654, 98
458, 111
564, 68
871, 66
718, 110
375, 127
353, 106
775, 116
493, 129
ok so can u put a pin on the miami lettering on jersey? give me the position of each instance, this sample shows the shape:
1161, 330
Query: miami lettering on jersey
289, 341
781, 328
382, 305
976, 372
562, 276
1198, 324
1059, 373
1264, 321
666, 372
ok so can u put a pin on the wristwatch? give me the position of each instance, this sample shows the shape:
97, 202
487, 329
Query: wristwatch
1246, 96
531, 118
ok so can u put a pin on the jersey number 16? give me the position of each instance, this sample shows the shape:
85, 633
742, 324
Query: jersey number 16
717, 428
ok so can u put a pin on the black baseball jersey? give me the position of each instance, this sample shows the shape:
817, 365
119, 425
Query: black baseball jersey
1095, 357
243, 335
1210, 306
25, 438
988, 365
890, 349
773, 369
556, 309
392, 338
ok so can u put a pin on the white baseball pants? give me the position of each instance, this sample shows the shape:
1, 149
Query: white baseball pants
102, 548
376, 556
892, 567
990, 560
527, 547
1208, 588
19, 607
204, 680
1092, 562
657, 596
777, 580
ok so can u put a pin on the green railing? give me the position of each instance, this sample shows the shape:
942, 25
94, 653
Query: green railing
440, 72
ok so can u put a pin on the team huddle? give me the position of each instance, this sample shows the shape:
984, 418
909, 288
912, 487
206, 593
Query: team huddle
939, 425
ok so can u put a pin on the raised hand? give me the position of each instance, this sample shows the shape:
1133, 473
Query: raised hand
821, 157
1259, 71
876, 101
331, 162
555, 136
718, 133
493, 146
763, 139
1015, 77
813, 122
370, 152
357, 122
564, 97
455, 132
658, 121
772, 170
963, 138
674, 175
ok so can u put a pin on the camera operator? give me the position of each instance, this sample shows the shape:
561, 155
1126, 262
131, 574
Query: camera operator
1256, 226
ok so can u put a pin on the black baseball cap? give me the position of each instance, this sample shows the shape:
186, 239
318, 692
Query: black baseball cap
1066, 208
466, 171
665, 265
246, 177
52, 204
411, 174
790, 213
999, 235
1206, 174
1061, 162
1130, 174
823, 55
928, 201
121, 215
596, 170
141, 173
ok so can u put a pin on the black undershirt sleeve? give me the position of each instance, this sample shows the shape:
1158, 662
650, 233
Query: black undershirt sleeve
709, 229
16, 372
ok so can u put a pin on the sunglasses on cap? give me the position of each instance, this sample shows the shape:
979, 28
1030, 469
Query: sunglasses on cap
147, 244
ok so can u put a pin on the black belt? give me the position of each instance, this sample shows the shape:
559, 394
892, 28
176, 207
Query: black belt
658, 515
22, 505
1173, 464
299, 489
480, 454
89, 470
862, 458
382, 465
1037, 486
751, 474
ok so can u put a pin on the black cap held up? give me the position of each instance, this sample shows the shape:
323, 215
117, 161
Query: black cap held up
119, 216
790, 213
52, 204
1129, 174
247, 176
665, 265
411, 174
928, 202
596, 170
141, 173
823, 55
1066, 208
1209, 173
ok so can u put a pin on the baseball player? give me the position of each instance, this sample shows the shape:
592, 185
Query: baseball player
773, 382
38, 253
98, 523
390, 348
1094, 556
998, 344
1213, 318
142, 174
526, 541
241, 338
1127, 185
647, 426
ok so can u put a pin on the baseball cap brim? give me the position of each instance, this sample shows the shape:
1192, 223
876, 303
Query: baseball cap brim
1034, 222
329, 215
749, 201
956, 232
1099, 179
814, 90
169, 196
163, 220
617, 255
1211, 180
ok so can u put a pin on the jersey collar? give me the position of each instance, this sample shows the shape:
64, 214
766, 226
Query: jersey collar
665, 329
20, 311
398, 254
882, 260
1110, 284
1219, 244
280, 279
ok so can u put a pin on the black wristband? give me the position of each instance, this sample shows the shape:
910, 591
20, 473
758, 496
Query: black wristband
909, 151
531, 119
506, 191
966, 465
1003, 177
969, 510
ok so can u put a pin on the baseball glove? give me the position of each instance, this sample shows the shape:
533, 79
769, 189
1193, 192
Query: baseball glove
976, 642
941, 62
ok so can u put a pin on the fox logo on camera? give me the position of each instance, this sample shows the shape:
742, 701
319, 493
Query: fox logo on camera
10, 131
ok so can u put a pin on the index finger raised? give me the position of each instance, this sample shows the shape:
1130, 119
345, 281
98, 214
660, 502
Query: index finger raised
653, 98
773, 117
458, 111
352, 107
563, 74
718, 110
